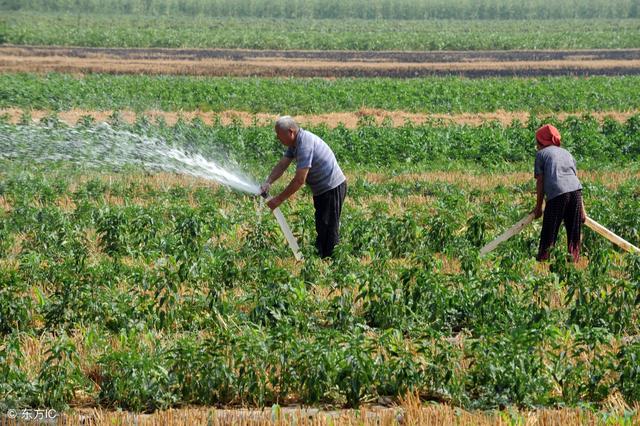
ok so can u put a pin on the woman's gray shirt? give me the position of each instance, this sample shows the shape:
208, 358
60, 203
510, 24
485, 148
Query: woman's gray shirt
558, 167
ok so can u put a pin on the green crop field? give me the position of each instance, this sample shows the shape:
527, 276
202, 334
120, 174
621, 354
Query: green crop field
149, 291
300, 96
130, 284
363, 9
431, 147
332, 34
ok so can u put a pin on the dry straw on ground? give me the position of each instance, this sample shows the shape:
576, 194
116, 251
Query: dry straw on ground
349, 119
326, 64
410, 412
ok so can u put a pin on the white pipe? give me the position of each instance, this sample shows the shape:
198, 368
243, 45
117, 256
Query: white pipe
284, 226
293, 244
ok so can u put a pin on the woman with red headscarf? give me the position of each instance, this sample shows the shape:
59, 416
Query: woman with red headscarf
556, 177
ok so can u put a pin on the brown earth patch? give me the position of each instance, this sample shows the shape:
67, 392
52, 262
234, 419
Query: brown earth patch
304, 68
349, 119
328, 64
5, 206
438, 56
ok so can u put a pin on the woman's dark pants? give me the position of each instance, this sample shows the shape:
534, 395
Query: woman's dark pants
565, 207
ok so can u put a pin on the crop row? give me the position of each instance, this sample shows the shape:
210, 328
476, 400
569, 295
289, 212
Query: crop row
331, 9
410, 147
255, 33
300, 96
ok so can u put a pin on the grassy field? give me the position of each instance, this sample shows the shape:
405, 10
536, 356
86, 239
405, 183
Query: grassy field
333, 34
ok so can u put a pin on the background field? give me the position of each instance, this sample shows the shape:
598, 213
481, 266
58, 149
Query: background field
333, 34
323, 9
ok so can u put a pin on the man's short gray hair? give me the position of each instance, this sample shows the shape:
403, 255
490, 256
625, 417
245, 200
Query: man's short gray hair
287, 122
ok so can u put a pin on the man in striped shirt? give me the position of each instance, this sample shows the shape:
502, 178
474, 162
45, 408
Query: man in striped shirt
316, 166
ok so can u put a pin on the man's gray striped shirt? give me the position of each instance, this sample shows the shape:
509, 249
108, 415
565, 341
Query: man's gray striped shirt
313, 153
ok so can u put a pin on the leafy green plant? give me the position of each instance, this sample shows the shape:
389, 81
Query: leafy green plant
60, 375
135, 380
16, 390
14, 307
508, 369
356, 370
629, 381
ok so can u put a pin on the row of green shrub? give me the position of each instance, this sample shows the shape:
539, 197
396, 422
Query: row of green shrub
432, 146
304, 96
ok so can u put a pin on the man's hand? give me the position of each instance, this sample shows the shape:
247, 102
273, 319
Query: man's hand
274, 203
583, 214
537, 212
295, 184
265, 187
275, 174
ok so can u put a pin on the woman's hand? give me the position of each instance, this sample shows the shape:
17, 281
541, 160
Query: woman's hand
537, 212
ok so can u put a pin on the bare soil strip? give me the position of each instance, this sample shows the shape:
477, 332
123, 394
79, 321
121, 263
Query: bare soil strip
349, 119
327, 64
326, 55
410, 412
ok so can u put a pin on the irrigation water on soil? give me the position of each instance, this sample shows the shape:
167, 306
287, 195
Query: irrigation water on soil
105, 147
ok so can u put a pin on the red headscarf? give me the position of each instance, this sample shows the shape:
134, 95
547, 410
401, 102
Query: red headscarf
548, 135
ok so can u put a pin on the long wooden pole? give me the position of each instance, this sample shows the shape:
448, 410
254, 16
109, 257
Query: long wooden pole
590, 223
624, 244
519, 226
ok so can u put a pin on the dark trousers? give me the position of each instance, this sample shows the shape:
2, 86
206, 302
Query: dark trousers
565, 207
328, 207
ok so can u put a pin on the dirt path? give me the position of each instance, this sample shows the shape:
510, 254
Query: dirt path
348, 119
269, 63
410, 411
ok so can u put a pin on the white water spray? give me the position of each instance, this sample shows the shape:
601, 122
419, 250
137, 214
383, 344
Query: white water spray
102, 146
